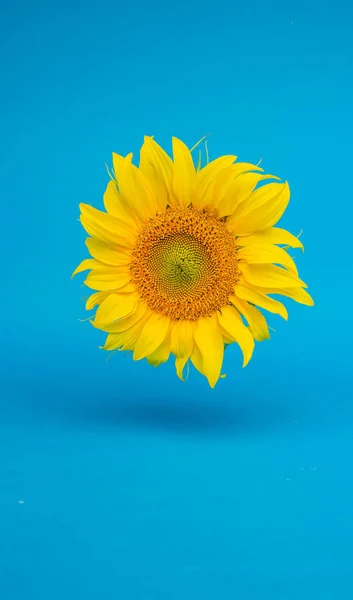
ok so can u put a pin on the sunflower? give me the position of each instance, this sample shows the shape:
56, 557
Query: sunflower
184, 257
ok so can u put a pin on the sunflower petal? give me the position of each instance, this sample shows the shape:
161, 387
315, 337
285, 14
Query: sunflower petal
111, 199
95, 299
256, 320
275, 235
107, 253
115, 207
227, 180
248, 293
209, 339
118, 163
161, 355
182, 344
184, 173
235, 330
127, 288
154, 177
261, 210
139, 314
114, 341
295, 293
106, 228
207, 179
124, 340
237, 192
151, 336
136, 191
110, 278
160, 161
114, 307
241, 167
86, 265
265, 254
196, 359
270, 275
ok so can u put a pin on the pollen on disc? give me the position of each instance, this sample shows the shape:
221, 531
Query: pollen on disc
185, 263
180, 265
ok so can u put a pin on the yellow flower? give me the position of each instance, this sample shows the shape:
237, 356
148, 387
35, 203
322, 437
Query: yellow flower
183, 254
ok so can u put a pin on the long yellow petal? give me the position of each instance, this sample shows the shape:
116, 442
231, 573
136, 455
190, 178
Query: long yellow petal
118, 164
107, 253
161, 161
255, 319
115, 306
184, 173
196, 359
126, 340
237, 192
226, 181
270, 276
216, 178
209, 339
161, 355
154, 177
241, 167
95, 299
245, 292
275, 235
261, 210
234, 329
111, 199
114, 341
106, 228
115, 207
140, 313
295, 293
136, 191
127, 288
86, 265
182, 344
152, 335
110, 278
264, 253
208, 177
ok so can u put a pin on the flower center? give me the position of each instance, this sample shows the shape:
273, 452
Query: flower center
185, 263
181, 263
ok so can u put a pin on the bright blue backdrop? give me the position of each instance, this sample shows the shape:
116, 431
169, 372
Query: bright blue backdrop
117, 481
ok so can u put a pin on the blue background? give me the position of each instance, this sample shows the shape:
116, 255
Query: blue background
116, 479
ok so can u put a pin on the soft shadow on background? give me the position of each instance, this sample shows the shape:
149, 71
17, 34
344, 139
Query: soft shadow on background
180, 410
